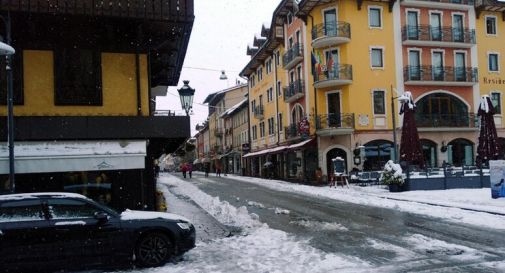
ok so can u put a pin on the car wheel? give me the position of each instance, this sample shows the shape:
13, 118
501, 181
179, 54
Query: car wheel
153, 249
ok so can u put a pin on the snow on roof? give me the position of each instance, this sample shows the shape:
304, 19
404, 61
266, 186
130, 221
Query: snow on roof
233, 108
20, 196
141, 215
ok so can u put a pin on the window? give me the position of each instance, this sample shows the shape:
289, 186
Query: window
271, 126
23, 210
17, 77
269, 66
280, 122
496, 99
260, 74
491, 25
298, 37
254, 132
262, 129
78, 77
253, 106
277, 58
279, 90
376, 58
270, 95
493, 62
379, 107
68, 208
374, 17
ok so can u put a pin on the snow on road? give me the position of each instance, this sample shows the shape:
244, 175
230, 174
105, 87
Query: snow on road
262, 249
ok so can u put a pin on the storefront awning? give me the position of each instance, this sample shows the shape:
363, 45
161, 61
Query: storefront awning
68, 156
267, 151
300, 145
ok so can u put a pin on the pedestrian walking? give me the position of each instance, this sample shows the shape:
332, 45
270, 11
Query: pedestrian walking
190, 169
218, 171
184, 169
206, 168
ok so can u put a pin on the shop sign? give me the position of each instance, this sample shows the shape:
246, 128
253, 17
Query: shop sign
494, 81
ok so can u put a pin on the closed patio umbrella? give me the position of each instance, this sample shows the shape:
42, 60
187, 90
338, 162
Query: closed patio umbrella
488, 147
410, 147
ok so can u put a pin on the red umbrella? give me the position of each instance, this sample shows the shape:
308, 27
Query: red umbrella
410, 147
488, 148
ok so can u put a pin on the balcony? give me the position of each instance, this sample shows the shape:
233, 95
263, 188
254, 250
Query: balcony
335, 124
459, 121
443, 4
293, 56
446, 75
258, 112
426, 35
218, 132
335, 75
291, 131
331, 34
294, 91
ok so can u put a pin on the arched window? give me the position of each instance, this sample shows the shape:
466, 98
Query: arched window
442, 110
429, 152
460, 152
297, 114
377, 153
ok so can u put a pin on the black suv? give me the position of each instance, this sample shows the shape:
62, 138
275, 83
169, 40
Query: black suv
54, 231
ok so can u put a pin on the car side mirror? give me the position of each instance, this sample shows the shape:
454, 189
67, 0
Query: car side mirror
101, 217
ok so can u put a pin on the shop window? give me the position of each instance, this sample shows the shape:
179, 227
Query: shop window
17, 79
78, 77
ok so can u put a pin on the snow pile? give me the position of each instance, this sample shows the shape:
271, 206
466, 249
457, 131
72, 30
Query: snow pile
315, 225
443, 249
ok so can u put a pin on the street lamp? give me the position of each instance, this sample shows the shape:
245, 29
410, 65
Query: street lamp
186, 94
8, 51
401, 99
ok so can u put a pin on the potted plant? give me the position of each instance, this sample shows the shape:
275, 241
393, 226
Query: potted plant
392, 176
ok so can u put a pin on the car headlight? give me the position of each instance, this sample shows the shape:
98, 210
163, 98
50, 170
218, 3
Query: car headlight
184, 225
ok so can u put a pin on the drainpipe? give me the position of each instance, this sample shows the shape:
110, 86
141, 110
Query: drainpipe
248, 118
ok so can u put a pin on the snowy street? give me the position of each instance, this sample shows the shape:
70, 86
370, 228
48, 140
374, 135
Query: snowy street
283, 227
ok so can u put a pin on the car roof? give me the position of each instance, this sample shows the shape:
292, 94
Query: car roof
35, 195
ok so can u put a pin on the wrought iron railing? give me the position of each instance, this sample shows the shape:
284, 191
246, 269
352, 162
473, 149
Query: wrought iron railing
291, 131
332, 29
258, 111
294, 88
438, 34
463, 2
335, 120
441, 73
465, 120
292, 53
333, 72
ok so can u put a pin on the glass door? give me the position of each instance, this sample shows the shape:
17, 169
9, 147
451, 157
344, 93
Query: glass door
437, 64
414, 68
412, 25
436, 27
459, 67
458, 28
334, 119
332, 64
330, 22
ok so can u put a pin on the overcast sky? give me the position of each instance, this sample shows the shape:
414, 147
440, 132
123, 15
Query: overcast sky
221, 32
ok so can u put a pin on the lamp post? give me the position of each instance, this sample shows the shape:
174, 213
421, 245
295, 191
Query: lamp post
186, 94
8, 51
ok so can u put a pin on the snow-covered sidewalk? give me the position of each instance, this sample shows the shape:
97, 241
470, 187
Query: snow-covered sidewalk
470, 206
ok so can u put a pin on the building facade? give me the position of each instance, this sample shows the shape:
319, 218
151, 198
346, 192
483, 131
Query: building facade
85, 81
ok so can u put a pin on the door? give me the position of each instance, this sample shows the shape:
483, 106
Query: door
459, 67
334, 116
414, 68
330, 22
81, 235
332, 64
437, 64
436, 26
458, 28
23, 238
412, 25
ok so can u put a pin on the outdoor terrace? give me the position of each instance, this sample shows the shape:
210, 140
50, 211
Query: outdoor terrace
426, 35
334, 75
294, 91
293, 56
446, 75
335, 124
331, 34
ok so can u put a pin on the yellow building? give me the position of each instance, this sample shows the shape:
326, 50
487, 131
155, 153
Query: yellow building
490, 28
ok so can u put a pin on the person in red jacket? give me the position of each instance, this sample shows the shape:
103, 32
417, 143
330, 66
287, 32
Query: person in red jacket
184, 169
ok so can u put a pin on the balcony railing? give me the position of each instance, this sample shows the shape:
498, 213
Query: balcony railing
331, 33
426, 33
294, 91
447, 120
441, 74
291, 131
218, 132
335, 120
336, 74
258, 112
293, 56
463, 2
